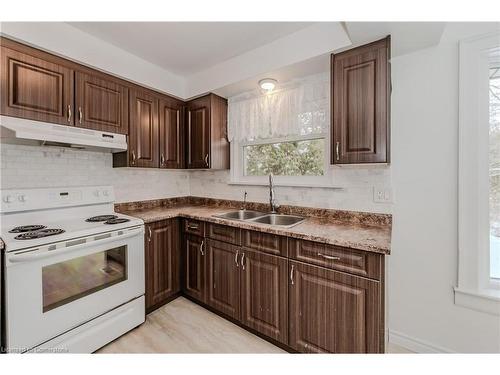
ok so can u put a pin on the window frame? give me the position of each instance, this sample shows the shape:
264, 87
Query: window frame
475, 289
238, 176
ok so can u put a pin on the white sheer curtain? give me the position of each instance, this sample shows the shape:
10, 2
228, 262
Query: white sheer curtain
297, 108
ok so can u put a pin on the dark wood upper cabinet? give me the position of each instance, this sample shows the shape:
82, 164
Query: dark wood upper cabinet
264, 294
171, 133
34, 88
206, 133
162, 262
223, 277
143, 136
333, 312
360, 98
195, 267
100, 103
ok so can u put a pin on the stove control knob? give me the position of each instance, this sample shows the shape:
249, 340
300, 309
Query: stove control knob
7, 199
105, 193
21, 198
97, 193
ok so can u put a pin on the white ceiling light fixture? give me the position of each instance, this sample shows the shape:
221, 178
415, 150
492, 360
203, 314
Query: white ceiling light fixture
267, 84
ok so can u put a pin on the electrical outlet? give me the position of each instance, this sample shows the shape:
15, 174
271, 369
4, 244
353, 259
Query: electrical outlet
382, 194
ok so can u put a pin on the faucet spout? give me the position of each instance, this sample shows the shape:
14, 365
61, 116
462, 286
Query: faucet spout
272, 198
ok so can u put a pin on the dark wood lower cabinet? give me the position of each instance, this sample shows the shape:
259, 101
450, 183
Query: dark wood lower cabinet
299, 306
195, 267
264, 294
224, 278
332, 312
162, 262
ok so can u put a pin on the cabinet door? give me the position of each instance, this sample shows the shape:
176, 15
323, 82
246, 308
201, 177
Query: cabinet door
360, 104
171, 134
35, 89
198, 135
264, 294
143, 130
223, 278
101, 104
195, 267
162, 262
332, 312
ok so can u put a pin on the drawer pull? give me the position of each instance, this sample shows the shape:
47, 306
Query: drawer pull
328, 257
193, 226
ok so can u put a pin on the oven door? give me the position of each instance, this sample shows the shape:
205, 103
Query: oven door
57, 287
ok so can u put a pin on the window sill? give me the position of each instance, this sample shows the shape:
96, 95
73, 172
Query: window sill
289, 184
487, 300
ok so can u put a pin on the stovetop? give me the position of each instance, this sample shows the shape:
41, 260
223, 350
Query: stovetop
35, 217
18, 237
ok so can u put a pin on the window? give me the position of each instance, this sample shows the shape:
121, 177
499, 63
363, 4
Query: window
303, 157
284, 133
494, 169
479, 175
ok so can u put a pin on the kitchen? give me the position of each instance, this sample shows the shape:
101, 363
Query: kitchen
215, 201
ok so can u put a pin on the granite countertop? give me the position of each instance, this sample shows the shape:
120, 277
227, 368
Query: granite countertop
357, 236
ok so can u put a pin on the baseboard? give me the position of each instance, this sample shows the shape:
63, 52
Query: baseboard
415, 345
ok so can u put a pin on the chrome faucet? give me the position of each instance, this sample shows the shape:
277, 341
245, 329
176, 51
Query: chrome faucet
244, 207
272, 199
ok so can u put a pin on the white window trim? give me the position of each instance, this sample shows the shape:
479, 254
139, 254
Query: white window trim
475, 289
237, 166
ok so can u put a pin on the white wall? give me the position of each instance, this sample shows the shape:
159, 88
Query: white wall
72, 43
422, 268
33, 166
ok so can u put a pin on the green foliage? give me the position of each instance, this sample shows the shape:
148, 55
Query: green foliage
297, 158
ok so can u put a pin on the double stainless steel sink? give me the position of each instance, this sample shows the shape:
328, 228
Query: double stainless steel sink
287, 221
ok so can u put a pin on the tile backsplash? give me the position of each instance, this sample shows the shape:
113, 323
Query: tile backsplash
37, 166
356, 193
32, 166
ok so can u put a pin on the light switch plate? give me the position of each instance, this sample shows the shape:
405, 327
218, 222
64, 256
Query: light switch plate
382, 194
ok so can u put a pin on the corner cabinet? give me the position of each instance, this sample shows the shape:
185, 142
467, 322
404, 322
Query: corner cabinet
360, 92
206, 133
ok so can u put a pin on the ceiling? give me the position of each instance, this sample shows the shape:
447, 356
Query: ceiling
185, 48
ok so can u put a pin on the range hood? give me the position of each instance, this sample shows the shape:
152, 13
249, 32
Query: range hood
21, 131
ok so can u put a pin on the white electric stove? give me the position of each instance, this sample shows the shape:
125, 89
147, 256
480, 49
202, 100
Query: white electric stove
73, 269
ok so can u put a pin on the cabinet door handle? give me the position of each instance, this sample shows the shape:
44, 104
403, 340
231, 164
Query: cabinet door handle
328, 257
133, 157
162, 159
206, 159
243, 261
236, 258
80, 115
291, 273
201, 248
150, 234
69, 112
337, 146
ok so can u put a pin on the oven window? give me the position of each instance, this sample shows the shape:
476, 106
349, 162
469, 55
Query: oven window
76, 278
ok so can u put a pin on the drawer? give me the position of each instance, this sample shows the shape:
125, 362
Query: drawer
224, 233
265, 242
195, 227
356, 262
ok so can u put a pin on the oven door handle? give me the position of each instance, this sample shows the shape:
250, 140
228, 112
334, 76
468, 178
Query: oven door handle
35, 255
